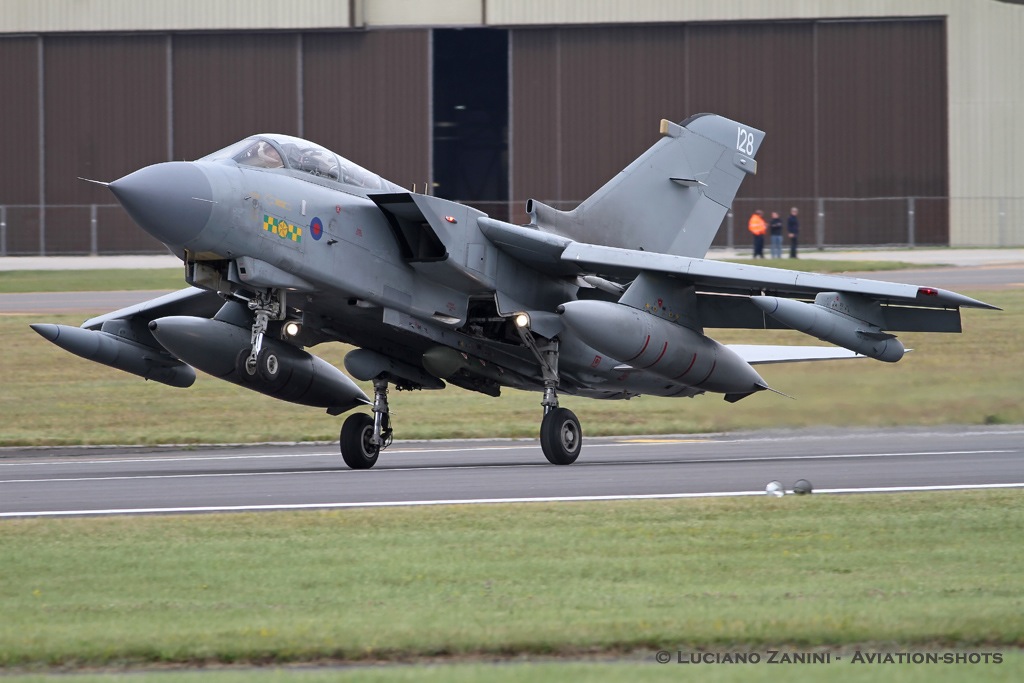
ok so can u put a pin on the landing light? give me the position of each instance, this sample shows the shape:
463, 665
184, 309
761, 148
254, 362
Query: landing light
292, 328
522, 320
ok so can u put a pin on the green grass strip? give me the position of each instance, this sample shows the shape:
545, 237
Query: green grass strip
22, 281
905, 571
1009, 671
813, 265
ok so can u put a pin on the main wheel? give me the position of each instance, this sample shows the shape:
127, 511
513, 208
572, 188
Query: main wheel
357, 449
561, 437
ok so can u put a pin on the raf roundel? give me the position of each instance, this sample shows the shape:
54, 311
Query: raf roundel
316, 228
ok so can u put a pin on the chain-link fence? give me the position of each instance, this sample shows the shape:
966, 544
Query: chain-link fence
70, 230
825, 222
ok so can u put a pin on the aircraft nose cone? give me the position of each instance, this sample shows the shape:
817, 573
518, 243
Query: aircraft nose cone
48, 331
171, 201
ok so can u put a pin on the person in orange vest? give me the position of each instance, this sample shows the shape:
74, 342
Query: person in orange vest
757, 228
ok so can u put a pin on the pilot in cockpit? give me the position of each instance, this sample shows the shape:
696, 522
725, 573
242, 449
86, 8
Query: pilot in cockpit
260, 154
269, 157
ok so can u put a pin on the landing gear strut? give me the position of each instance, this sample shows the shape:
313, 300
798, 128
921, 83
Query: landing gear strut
257, 361
364, 437
561, 436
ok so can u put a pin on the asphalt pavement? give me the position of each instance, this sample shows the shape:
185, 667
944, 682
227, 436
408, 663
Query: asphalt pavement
149, 479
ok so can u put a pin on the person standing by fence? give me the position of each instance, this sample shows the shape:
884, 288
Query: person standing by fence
793, 228
757, 228
775, 232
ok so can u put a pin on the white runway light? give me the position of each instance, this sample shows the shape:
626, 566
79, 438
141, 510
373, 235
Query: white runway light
774, 488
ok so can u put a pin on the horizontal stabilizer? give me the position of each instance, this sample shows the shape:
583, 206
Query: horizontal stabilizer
758, 354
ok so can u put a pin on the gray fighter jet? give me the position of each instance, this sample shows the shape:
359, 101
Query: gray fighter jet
287, 245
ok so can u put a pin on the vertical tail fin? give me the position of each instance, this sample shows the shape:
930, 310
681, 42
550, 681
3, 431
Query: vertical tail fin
672, 198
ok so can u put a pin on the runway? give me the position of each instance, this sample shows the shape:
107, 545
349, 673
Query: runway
44, 482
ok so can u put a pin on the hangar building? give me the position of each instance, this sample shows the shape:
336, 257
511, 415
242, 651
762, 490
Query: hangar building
888, 121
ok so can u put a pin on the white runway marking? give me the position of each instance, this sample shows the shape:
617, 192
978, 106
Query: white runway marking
481, 501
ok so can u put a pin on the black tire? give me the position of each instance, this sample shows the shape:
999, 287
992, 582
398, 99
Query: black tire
356, 449
268, 365
561, 437
242, 368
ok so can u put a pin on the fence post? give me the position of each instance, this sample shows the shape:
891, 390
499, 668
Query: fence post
911, 227
819, 224
1002, 222
93, 237
3, 231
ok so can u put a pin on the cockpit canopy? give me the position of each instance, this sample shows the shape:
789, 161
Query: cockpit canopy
285, 151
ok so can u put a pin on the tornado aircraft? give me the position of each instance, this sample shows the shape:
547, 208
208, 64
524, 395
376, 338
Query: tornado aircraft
287, 245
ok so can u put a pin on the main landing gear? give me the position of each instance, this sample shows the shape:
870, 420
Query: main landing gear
364, 437
561, 436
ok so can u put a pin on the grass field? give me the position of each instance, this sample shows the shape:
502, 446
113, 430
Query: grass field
885, 572
812, 265
576, 672
450, 591
19, 281
51, 397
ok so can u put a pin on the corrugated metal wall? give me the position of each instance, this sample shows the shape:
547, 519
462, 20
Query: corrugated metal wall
229, 86
367, 97
105, 115
111, 104
852, 109
19, 112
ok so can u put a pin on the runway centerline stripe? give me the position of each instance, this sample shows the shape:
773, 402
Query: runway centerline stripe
483, 501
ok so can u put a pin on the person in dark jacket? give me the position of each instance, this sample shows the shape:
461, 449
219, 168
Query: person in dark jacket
775, 231
793, 228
